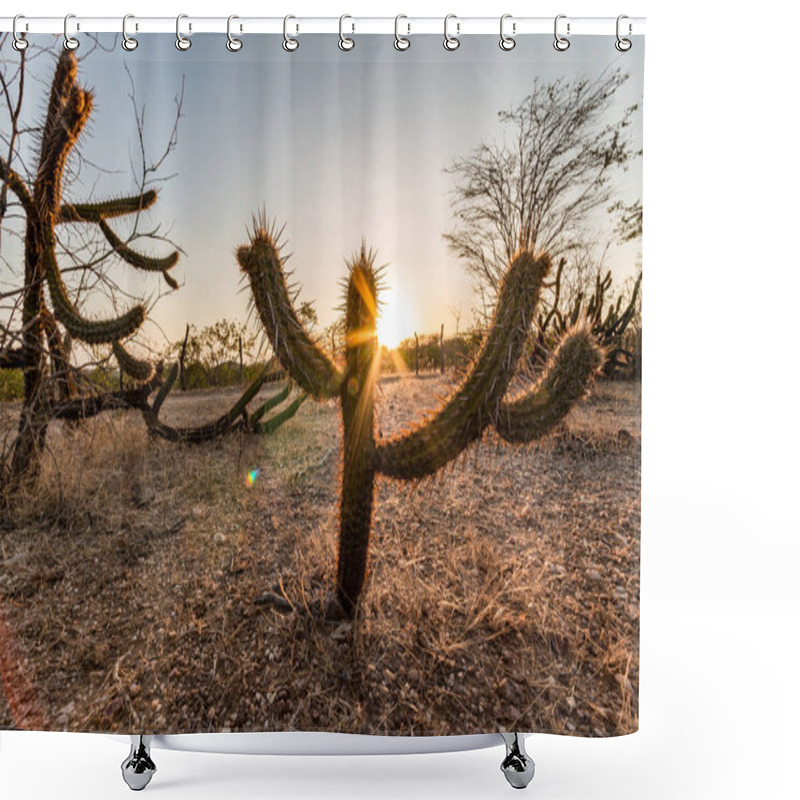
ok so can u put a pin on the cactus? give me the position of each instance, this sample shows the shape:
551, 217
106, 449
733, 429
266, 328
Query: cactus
461, 420
236, 418
609, 324
68, 110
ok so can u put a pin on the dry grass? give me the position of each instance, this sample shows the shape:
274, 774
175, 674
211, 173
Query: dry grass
502, 594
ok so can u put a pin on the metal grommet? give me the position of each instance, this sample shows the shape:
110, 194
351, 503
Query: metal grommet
70, 42
561, 43
401, 42
128, 42
507, 42
20, 43
451, 42
290, 44
345, 43
623, 45
181, 42
233, 44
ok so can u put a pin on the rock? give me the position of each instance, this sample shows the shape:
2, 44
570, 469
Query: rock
624, 437
142, 495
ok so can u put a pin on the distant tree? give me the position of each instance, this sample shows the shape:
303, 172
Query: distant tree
629, 221
537, 186
214, 347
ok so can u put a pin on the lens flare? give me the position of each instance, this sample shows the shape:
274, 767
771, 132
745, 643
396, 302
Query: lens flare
252, 475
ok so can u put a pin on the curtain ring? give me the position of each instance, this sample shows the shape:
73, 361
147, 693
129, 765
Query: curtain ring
290, 44
181, 42
451, 42
128, 42
233, 44
507, 42
561, 43
345, 43
20, 42
623, 45
70, 42
401, 42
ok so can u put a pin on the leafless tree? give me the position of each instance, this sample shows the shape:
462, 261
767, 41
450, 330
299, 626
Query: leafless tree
537, 186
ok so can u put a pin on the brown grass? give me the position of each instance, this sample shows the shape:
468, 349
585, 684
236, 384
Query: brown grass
503, 594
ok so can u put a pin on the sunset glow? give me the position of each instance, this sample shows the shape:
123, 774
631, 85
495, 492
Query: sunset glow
390, 328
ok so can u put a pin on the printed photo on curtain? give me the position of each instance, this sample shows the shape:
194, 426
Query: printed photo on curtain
320, 379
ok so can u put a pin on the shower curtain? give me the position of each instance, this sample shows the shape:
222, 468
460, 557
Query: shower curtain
320, 385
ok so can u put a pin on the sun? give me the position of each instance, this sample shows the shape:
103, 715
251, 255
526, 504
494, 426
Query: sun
389, 333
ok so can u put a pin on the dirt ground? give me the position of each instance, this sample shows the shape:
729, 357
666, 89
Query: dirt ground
503, 593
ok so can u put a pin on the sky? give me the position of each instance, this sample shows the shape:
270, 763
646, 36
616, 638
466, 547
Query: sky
338, 146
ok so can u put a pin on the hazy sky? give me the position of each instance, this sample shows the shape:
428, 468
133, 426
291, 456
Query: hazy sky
338, 146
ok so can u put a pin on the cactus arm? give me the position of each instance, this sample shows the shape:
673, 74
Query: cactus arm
274, 422
84, 407
358, 412
269, 404
62, 85
137, 368
138, 260
57, 143
624, 319
164, 390
464, 416
17, 185
308, 366
106, 209
565, 381
67, 115
230, 421
89, 331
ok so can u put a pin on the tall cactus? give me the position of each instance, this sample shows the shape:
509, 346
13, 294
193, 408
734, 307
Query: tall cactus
462, 418
68, 110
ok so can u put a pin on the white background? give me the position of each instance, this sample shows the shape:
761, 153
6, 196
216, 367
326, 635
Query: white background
719, 702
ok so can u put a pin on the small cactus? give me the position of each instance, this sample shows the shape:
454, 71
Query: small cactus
236, 418
461, 420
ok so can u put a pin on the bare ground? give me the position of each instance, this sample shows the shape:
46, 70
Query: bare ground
503, 593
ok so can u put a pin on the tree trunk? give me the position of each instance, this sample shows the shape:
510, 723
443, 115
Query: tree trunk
441, 349
416, 354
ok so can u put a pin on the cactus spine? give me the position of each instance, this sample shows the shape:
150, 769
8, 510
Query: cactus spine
462, 418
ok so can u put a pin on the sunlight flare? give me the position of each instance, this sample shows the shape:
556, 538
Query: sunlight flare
389, 333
